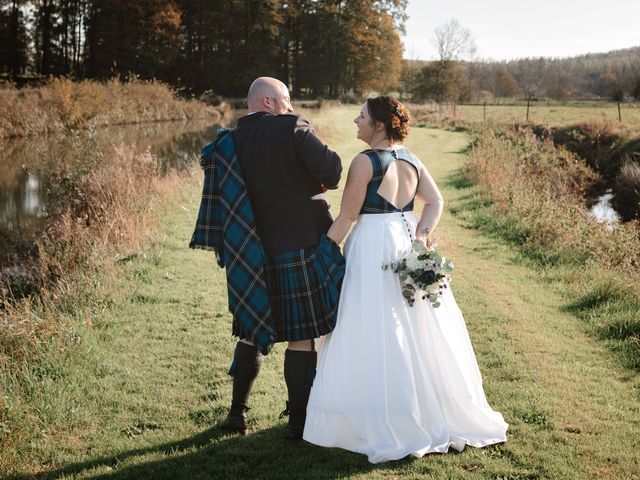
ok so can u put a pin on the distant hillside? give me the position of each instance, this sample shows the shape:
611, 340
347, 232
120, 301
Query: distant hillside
614, 74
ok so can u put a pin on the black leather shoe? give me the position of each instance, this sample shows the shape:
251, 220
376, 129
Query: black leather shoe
236, 420
293, 433
295, 426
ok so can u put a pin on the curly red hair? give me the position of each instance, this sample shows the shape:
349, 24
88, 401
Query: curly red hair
393, 114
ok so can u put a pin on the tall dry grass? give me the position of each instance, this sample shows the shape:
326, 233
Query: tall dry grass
542, 187
104, 209
535, 200
64, 104
626, 198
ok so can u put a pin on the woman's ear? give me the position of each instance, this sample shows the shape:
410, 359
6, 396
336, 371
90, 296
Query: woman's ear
379, 127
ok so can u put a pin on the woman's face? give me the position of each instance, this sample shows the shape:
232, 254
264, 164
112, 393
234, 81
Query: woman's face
365, 124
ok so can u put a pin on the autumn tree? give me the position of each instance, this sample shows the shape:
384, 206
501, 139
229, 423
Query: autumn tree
504, 85
375, 53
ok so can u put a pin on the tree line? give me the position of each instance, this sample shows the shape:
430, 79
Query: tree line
612, 76
318, 47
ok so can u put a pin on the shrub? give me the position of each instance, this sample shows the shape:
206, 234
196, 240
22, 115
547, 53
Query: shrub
63, 104
351, 99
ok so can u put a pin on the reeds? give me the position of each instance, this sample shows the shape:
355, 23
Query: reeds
63, 104
104, 209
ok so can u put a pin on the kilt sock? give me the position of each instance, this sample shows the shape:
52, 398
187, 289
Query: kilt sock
247, 361
299, 372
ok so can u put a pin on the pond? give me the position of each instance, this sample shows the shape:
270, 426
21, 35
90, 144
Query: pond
24, 186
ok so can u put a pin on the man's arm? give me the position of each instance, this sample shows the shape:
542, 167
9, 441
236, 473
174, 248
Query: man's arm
323, 164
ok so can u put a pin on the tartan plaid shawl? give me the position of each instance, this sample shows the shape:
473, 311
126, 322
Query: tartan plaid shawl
226, 225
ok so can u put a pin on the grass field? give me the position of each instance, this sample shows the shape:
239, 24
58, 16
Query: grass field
150, 382
541, 113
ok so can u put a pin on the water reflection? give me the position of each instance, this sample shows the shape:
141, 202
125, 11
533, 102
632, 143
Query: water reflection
603, 211
26, 163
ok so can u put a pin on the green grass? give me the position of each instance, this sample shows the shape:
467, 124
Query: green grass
541, 113
153, 385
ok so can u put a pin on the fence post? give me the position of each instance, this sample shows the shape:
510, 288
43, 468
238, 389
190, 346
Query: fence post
484, 111
619, 114
528, 103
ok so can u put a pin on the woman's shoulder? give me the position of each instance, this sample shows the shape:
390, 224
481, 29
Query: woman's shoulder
406, 154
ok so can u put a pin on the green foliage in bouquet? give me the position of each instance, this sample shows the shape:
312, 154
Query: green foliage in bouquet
422, 272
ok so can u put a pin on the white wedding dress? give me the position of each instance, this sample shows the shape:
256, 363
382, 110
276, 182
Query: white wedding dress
395, 380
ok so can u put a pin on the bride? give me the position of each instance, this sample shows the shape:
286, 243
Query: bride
394, 380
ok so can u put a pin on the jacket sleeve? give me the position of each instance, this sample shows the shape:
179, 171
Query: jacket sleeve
321, 162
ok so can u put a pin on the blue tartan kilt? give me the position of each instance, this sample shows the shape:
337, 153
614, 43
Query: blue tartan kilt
304, 289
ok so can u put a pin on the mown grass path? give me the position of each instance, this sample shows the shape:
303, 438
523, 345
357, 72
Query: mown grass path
159, 385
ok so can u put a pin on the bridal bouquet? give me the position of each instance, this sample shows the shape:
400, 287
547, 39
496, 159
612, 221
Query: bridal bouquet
422, 272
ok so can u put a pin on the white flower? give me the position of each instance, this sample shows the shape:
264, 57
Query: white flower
433, 288
412, 262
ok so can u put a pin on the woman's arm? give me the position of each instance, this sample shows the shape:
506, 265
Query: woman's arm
434, 203
360, 174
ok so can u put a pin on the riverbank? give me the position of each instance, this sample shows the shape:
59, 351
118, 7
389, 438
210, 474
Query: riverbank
105, 212
144, 385
66, 105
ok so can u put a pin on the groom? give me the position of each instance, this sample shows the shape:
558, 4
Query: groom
284, 169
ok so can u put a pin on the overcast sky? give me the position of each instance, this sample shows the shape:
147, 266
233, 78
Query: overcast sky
507, 29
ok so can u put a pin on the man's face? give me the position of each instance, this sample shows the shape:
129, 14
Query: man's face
280, 102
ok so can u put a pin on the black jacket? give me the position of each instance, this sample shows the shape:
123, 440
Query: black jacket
284, 164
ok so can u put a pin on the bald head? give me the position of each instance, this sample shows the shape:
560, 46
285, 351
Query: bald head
268, 94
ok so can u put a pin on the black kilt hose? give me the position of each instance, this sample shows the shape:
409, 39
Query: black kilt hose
304, 290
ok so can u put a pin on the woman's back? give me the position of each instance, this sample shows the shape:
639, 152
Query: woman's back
394, 183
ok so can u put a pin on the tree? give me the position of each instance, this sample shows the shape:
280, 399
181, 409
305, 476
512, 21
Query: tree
610, 86
442, 82
410, 76
635, 90
375, 51
558, 86
454, 42
504, 85
146, 43
13, 38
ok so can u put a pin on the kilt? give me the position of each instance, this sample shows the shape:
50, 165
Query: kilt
304, 289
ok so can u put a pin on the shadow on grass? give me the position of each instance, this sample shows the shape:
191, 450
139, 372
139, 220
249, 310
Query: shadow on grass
614, 315
217, 454
464, 150
459, 179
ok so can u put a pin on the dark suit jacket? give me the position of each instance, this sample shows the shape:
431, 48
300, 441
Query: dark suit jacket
284, 165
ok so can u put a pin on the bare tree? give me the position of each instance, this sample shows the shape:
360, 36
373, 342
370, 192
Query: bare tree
454, 42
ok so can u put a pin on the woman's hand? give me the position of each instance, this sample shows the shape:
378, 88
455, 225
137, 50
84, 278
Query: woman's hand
423, 238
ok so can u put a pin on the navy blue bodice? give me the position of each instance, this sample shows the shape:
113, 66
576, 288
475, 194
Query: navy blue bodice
380, 161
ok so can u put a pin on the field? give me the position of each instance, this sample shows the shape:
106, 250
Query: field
555, 114
147, 384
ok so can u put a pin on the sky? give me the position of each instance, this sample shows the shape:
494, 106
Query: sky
508, 29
